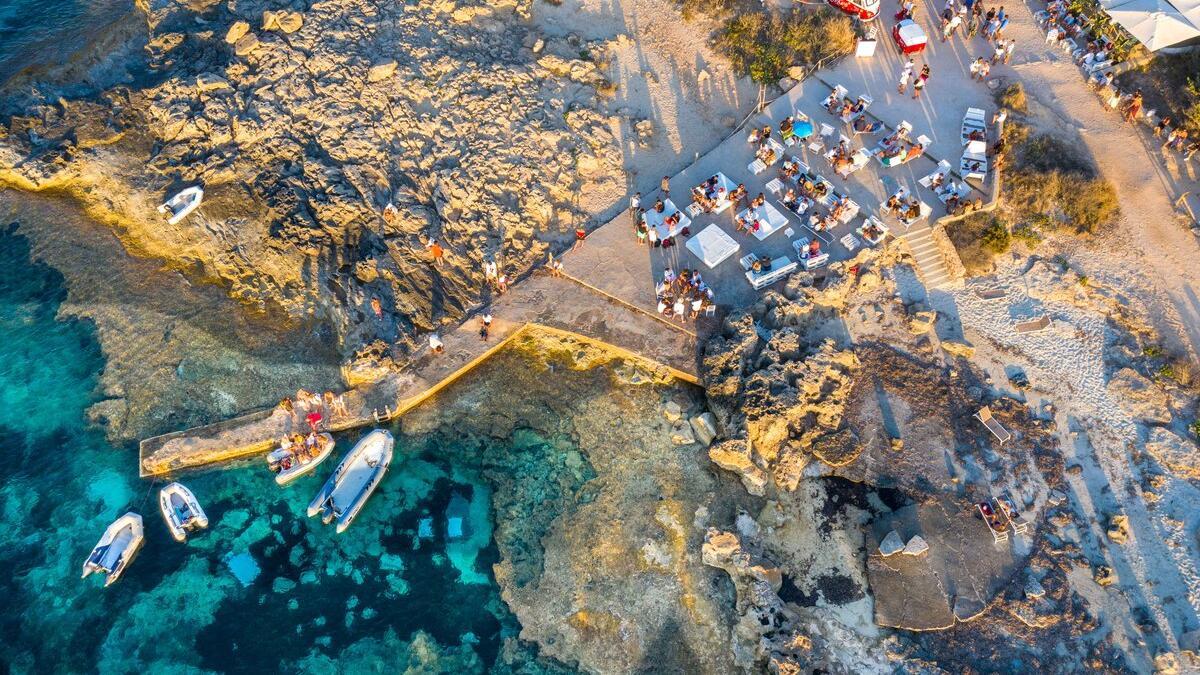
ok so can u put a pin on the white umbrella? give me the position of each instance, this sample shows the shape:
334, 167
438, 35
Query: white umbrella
1190, 9
1155, 23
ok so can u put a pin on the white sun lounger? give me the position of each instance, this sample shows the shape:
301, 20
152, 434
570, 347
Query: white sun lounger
872, 220
809, 263
850, 242
943, 169
973, 121
1012, 514
988, 513
974, 161
1032, 326
780, 268
993, 425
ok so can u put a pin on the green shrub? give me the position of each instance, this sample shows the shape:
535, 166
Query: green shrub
1028, 235
764, 46
996, 238
977, 238
1194, 427
1013, 98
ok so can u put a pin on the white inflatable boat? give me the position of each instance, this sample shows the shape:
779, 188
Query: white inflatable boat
182, 204
293, 460
181, 511
354, 479
116, 548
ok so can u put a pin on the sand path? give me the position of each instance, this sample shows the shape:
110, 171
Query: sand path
1153, 254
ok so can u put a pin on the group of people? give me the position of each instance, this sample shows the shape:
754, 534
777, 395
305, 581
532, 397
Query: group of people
683, 295
907, 210
1176, 138
918, 81
749, 222
302, 449
314, 409
495, 278
648, 234
845, 109
711, 194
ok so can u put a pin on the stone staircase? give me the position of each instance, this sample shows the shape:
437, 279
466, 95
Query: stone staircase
925, 251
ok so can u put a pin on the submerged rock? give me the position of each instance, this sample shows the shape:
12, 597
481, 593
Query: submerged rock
891, 544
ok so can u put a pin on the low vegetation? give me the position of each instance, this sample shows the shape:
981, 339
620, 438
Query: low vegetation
1049, 186
765, 45
1013, 98
1170, 84
978, 238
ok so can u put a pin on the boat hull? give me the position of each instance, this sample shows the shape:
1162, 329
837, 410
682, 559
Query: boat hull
117, 547
173, 497
288, 475
867, 10
358, 474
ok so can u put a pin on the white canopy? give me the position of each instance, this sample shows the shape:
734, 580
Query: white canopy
1155, 23
1190, 9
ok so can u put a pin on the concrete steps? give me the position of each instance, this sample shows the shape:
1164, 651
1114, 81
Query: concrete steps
929, 260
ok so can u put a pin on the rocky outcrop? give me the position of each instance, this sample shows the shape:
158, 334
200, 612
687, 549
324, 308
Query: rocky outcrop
1139, 397
297, 125
766, 632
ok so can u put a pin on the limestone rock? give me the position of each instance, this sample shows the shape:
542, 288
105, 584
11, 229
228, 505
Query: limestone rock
285, 22
1139, 397
891, 544
237, 31
922, 322
1104, 575
682, 435
915, 546
1167, 663
967, 608
1178, 455
672, 411
958, 349
382, 71
1033, 589
704, 427
1118, 529
246, 44
210, 82
735, 455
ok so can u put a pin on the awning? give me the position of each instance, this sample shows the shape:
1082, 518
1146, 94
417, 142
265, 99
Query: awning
1155, 23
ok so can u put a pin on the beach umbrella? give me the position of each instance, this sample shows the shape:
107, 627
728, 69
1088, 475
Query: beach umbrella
1155, 23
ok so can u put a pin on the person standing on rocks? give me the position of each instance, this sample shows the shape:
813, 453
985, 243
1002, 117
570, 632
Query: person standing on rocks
665, 186
580, 235
435, 249
435, 343
376, 307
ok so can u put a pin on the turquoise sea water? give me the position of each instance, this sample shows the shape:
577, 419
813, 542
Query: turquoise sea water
264, 589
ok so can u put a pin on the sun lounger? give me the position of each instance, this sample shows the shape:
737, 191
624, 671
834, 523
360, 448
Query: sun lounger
974, 161
777, 147
775, 186
1032, 326
942, 170
780, 268
1012, 514
836, 96
995, 523
872, 220
850, 242
823, 235
809, 263
694, 209
952, 189
991, 293
973, 121
756, 167
993, 425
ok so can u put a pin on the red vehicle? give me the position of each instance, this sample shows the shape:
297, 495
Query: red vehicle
909, 36
862, 9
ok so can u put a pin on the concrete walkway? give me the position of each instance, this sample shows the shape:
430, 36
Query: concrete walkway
562, 306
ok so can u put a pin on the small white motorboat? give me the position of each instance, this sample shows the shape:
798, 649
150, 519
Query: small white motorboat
292, 460
116, 548
182, 204
354, 479
181, 511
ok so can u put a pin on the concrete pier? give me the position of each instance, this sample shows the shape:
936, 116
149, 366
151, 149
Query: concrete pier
568, 308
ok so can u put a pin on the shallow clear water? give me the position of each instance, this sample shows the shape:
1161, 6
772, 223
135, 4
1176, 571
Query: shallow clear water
264, 588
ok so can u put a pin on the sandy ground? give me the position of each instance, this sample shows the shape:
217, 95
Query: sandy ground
657, 68
1153, 253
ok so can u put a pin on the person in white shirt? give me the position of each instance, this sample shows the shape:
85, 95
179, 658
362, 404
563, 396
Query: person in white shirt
435, 343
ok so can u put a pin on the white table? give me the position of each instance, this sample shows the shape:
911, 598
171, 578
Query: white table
770, 220
712, 245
